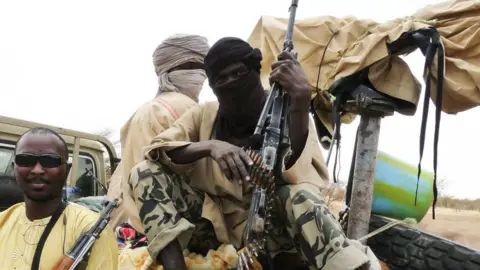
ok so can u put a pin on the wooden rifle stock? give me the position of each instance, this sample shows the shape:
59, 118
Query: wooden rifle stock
82, 246
64, 264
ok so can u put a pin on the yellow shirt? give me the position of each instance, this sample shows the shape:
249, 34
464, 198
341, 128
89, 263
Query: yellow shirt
19, 238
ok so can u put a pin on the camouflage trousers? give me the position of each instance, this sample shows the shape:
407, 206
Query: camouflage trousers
171, 209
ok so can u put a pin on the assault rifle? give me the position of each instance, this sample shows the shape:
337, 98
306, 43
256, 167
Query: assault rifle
273, 127
83, 244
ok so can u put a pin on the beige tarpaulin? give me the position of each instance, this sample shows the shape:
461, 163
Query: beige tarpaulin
225, 257
355, 44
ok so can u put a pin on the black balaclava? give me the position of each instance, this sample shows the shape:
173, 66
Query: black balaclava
240, 101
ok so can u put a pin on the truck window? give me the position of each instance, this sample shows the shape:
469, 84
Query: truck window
10, 193
85, 162
6, 158
85, 184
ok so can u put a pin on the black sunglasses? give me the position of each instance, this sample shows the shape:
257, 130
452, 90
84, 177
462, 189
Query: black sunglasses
47, 160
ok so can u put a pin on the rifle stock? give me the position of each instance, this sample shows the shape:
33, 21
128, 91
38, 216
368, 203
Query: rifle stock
64, 264
83, 244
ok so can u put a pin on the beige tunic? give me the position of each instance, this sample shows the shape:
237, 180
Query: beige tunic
151, 119
226, 201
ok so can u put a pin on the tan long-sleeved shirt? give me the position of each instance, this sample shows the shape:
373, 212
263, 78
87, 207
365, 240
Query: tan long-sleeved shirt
151, 119
226, 201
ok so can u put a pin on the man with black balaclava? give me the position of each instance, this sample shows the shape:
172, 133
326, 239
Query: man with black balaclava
210, 205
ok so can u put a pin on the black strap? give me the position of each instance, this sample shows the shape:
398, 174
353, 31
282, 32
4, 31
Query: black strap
434, 48
46, 232
336, 120
348, 191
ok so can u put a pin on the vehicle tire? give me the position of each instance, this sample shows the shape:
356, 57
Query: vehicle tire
401, 247
10, 193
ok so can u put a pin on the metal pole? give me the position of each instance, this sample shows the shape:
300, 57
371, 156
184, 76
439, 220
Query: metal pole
363, 177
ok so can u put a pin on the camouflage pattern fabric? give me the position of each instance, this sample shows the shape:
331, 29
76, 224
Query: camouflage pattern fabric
170, 209
312, 229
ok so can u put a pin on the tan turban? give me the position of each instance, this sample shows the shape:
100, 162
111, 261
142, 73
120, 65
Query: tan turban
176, 50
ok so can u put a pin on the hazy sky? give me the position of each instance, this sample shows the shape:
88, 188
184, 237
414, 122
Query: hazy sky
87, 65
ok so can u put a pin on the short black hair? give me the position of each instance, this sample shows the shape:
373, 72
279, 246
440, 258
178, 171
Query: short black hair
42, 130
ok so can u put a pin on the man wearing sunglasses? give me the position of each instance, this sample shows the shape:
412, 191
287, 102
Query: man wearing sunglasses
41, 171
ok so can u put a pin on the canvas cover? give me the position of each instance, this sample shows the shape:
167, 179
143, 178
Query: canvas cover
331, 48
225, 257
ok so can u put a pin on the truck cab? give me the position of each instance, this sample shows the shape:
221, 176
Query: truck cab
89, 154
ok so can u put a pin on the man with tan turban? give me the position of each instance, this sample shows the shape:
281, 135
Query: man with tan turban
178, 63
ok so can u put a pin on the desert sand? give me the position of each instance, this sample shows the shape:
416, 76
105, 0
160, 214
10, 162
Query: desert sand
460, 226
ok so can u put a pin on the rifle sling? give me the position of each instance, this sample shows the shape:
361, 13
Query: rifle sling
38, 251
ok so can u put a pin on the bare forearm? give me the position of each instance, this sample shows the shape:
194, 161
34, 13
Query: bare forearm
190, 153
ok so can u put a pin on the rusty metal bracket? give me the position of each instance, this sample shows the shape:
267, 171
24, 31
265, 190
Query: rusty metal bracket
371, 110
364, 105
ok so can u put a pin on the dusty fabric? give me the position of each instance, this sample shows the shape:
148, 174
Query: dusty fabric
128, 236
149, 120
174, 51
340, 47
224, 205
20, 237
188, 82
171, 209
225, 257
93, 203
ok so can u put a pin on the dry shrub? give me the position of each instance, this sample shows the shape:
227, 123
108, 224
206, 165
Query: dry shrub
333, 193
458, 204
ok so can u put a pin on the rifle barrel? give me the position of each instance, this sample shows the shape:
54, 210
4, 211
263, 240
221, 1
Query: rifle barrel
288, 45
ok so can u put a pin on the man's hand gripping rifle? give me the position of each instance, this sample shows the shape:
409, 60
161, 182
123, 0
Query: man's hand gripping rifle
83, 244
268, 164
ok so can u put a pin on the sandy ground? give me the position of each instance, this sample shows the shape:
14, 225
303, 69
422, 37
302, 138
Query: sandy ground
461, 226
